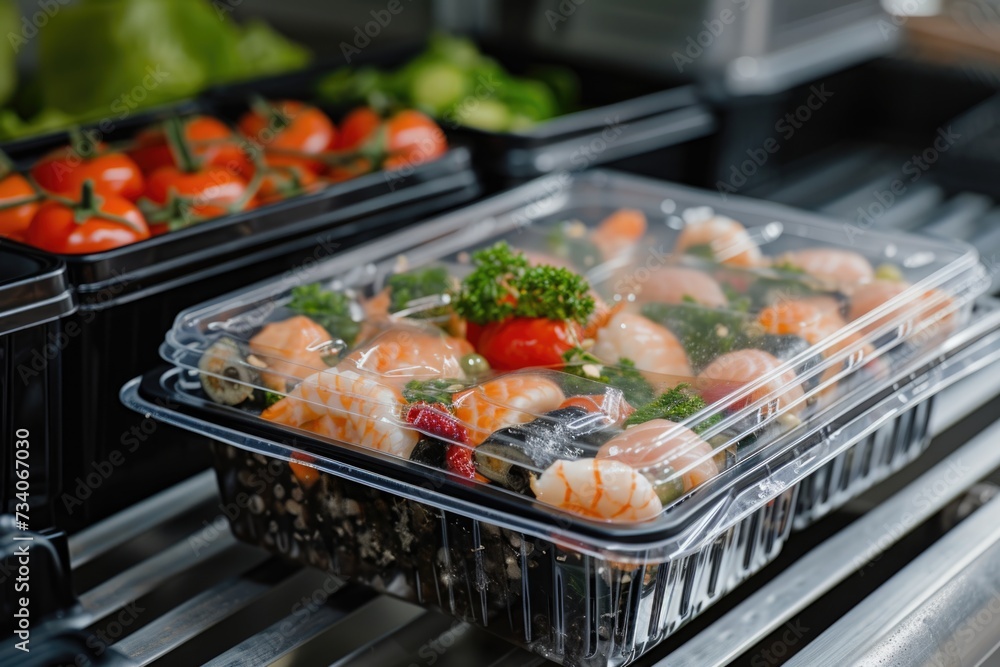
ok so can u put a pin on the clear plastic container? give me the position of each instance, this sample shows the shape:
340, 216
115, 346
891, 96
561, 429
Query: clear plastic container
657, 525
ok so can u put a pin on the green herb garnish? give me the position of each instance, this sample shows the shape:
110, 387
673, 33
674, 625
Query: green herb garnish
702, 251
417, 284
704, 333
270, 398
439, 390
676, 405
503, 285
331, 310
787, 267
622, 375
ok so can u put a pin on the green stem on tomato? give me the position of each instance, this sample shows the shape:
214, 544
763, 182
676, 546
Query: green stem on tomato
81, 143
20, 201
173, 129
89, 207
275, 117
6, 166
251, 190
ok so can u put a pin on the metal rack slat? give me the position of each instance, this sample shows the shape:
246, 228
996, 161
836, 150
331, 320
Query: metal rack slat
831, 562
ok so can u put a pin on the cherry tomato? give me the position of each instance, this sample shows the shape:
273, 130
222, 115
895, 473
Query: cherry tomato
211, 142
473, 332
64, 170
91, 225
520, 342
356, 128
412, 138
282, 182
211, 192
18, 205
288, 126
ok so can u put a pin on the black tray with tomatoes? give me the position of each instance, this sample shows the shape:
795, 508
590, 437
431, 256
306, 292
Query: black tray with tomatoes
192, 206
523, 113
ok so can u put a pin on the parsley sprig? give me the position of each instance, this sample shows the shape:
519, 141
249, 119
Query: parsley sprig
503, 284
676, 405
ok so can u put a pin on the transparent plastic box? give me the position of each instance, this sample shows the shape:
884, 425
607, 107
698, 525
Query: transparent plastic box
339, 473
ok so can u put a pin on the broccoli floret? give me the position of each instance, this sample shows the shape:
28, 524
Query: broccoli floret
704, 333
676, 404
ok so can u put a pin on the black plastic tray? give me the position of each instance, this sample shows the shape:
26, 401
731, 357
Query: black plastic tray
628, 120
973, 163
35, 298
128, 296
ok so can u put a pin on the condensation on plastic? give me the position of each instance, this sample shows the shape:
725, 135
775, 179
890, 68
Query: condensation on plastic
361, 395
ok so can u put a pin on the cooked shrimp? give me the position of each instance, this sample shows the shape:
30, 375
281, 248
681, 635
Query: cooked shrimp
832, 265
652, 347
931, 304
293, 349
812, 320
619, 232
598, 489
675, 284
511, 399
344, 405
647, 447
377, 306
746, 366
727, 239
406, 352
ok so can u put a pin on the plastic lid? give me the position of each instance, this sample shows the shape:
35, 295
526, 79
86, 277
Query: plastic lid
709, 339
33, 290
